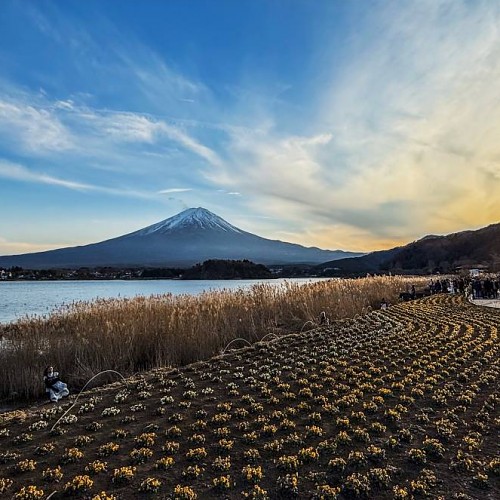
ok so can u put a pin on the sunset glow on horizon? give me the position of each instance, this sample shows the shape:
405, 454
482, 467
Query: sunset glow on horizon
344, 125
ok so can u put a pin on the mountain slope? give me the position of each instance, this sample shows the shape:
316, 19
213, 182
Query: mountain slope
192, 236
445, 253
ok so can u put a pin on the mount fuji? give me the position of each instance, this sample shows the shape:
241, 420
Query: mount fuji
192, 236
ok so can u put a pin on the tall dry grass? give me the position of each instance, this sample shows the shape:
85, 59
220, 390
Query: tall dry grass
131, 335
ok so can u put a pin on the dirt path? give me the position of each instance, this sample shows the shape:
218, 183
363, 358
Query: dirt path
487, 302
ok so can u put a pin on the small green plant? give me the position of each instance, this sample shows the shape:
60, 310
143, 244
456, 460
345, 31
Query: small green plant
96, 467
71, 455
252, 455
288, 463
45, 449
150, 485
78, 484
146, 439
196, 454
433, 448
140, 455
380, 477
222, 483
252, 474
123, 475
107, 449
256, 493
357, 485
165, 463
103, 496
52, 475
82, 441
337, 464
493, 467
221, 464
417, 456
480, 481
326, 492
288, 485
307, 455
25, 466
193, 471
184, 493
5, 484
400, 493
29, 493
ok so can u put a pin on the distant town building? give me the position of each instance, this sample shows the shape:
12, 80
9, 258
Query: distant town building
474, 270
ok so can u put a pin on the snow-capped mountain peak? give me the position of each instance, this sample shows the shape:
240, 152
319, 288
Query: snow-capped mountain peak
193, 236
199, 218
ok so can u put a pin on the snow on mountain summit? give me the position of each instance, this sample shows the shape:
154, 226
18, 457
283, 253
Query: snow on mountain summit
195, 235
199, 218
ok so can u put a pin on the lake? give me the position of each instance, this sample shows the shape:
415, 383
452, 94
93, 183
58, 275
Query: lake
27, 298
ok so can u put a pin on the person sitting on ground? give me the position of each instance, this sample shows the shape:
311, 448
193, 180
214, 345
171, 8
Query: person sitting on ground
53, 386
323, 320
384, 304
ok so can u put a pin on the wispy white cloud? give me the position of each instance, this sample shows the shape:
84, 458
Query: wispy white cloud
174, 190
406, 140
423, 117
134, 127
18, 172
154, 77
286, 172
120, 126
109, 52
14, 171
35, 129
192, 144
139, 75
68, 104
400, 139
40, 126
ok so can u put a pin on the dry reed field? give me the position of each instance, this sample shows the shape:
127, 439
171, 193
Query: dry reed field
395, 404
131, 335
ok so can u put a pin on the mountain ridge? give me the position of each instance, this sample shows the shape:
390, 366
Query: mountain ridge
428, 254
192, 236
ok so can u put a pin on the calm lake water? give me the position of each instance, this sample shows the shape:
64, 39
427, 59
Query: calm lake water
27, 298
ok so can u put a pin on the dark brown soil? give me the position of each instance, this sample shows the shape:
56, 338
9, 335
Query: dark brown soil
427, 370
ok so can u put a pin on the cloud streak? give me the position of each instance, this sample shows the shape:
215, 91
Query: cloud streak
16, 172
36, 130
174, 190
392, 132
406, 140
62, 125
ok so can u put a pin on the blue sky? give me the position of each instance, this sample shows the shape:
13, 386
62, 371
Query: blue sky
355, 125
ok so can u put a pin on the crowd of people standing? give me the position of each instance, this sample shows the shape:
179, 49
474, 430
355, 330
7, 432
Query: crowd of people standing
481, 287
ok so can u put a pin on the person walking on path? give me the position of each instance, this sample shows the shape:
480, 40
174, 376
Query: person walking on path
469, 293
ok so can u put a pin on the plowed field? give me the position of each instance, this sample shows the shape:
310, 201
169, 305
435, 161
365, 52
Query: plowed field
399, 403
